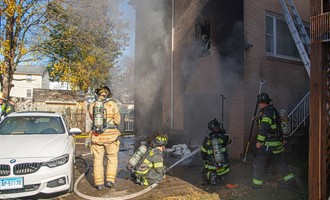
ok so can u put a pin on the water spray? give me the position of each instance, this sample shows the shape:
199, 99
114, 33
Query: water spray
184, 158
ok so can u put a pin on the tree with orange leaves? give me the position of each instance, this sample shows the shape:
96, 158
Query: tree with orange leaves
21, 32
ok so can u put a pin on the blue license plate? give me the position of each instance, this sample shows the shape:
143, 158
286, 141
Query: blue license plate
11, 183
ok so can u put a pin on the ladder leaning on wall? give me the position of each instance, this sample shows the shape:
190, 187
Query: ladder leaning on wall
297, 29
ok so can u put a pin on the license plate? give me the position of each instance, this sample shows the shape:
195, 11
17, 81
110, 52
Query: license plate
11, 183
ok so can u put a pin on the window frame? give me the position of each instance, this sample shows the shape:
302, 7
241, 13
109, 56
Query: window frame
200, 28
274, 49
29, 91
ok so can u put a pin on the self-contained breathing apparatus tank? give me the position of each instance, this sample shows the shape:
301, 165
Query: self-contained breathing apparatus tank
98, 116
284, 122
137, 157
218, 156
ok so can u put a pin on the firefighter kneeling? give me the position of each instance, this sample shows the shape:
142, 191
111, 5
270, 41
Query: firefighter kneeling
214, 153
106, 118
147, 164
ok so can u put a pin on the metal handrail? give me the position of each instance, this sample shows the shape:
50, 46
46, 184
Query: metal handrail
129, 123
299, 114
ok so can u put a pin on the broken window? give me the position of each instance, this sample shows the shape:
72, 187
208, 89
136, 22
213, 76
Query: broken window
203, 37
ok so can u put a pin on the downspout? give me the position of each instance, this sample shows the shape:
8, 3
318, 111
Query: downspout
172, 67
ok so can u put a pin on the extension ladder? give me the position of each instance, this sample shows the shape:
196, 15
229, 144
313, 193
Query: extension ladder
298, 31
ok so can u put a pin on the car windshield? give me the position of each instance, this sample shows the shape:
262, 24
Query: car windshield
21, 125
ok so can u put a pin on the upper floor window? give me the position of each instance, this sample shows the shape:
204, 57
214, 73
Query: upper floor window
203, 36
29, 78
279, 41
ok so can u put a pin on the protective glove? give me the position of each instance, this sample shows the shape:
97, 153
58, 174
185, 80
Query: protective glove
255, 119
166, 169
210, 158
130, 168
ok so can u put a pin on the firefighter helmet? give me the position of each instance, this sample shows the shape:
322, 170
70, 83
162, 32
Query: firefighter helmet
160, 140
103, 88
214, 125
264, 97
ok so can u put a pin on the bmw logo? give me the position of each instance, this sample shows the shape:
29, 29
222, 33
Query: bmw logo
12, 161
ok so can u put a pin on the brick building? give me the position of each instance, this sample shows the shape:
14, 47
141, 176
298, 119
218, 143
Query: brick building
192, 53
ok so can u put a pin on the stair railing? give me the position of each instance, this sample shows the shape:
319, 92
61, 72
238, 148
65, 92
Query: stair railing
299, 114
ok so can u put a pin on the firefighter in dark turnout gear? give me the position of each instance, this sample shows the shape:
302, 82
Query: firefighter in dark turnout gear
152, 169
214, 153
270, 144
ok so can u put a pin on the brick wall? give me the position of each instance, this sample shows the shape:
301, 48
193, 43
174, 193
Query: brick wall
286, 80
228, 70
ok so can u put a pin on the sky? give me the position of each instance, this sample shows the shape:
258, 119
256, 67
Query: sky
129, 15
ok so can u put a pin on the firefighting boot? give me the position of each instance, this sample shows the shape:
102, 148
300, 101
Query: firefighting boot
109, 184
221, 178
213, 178
99, 187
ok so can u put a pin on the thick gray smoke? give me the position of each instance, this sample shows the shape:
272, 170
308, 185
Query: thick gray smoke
152, 45
205, 79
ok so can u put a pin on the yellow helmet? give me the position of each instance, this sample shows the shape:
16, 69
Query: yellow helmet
161, 140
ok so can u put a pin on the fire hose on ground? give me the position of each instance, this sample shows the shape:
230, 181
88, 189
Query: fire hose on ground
125, 196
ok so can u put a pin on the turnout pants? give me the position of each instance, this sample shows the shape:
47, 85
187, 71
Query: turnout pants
105, 143
208, 169
150, 178
261, 161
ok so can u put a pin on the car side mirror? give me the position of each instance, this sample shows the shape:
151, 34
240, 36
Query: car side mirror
75, 131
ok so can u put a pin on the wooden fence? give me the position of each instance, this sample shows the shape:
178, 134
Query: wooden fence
76, 118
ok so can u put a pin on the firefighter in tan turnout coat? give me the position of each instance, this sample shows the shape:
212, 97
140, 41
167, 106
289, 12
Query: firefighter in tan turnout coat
106, 118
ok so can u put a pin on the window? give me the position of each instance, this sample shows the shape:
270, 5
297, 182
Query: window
29, 78
203, 36
279, 41
29, 93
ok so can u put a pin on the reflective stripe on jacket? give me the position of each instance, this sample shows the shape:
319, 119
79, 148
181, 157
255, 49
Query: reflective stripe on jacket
153, 161
269, 134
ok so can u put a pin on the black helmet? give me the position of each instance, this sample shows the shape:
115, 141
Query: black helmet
103, 88
214, 125
160, 140
264, 98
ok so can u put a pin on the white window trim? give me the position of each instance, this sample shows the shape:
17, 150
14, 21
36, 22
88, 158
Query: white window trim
274, 53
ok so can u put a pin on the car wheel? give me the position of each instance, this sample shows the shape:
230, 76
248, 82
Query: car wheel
71, 188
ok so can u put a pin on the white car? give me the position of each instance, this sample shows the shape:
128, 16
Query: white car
37, 153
